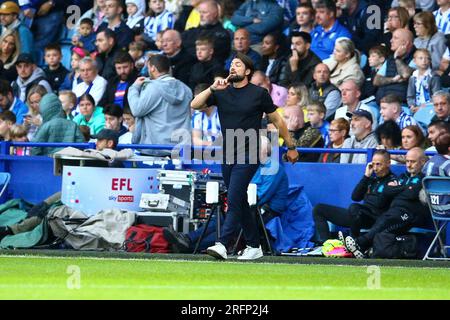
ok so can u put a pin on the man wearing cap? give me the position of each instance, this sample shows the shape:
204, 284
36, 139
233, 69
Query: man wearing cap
9, 20
362, 136
28, 75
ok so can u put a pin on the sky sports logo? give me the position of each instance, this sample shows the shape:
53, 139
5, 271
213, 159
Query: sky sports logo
122, 199
125, 198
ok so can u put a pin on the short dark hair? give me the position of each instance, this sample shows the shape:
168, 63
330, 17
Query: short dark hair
8, 116
302, 34
87, 21
380, 50
384, 154
53, 46
440, 125
87, 97
160, 62
278, 38
327, 4
5, 88
113, 110
442, 143
391, 98
201, 87
109, 34
123, 57
389, 129
247, 62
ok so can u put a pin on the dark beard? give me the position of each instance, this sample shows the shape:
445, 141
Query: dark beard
236, 78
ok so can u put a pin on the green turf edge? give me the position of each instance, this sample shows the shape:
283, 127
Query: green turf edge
204, 257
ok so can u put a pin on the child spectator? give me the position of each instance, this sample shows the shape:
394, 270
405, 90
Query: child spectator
18, 133
128, 119
69, 102
55, 71
86, 39
136, 51
423, 83
377, 58
158, 41
206, 67
128, 122
7, 120
205, 123
316, 116
304, 19
159, 19
73, 78
136, 11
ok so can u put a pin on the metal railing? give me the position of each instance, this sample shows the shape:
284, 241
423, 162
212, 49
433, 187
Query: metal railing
5, 148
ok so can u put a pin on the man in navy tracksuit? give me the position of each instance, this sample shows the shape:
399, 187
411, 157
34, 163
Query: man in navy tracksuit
405, 211
372, 189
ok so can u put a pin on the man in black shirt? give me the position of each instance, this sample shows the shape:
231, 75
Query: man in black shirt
241, 107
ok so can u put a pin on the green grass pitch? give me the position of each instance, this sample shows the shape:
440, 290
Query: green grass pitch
31, 277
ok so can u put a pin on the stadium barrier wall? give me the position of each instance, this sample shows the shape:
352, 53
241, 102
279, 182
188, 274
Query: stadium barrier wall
32, 177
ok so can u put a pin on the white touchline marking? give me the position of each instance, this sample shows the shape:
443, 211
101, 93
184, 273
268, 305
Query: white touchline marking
215, 287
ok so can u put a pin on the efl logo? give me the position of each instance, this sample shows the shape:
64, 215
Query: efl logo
125, 199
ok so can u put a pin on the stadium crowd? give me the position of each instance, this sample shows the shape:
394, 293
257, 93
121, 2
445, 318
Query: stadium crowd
342, 74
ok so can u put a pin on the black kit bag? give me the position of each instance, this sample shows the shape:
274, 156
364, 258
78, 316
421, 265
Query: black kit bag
390, 246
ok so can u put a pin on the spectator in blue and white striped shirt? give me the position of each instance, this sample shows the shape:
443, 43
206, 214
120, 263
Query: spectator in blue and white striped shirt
442, 16
205, 123
391, 109
158, 20
439, 165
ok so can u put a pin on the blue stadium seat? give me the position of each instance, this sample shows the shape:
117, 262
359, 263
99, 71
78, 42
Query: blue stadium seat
65, 42
423, 116
437, 190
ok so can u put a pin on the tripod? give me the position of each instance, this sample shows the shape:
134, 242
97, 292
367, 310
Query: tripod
260, 219
212, 197
215, 210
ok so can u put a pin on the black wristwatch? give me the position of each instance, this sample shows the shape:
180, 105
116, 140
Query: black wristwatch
292, 148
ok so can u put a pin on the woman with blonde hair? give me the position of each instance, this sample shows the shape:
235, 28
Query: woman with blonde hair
9, 52
344, 63
294, 111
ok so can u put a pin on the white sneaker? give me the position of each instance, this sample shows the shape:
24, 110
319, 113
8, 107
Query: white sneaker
251, 253
218, 251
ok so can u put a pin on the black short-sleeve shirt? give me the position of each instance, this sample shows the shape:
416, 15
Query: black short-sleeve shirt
242, 108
